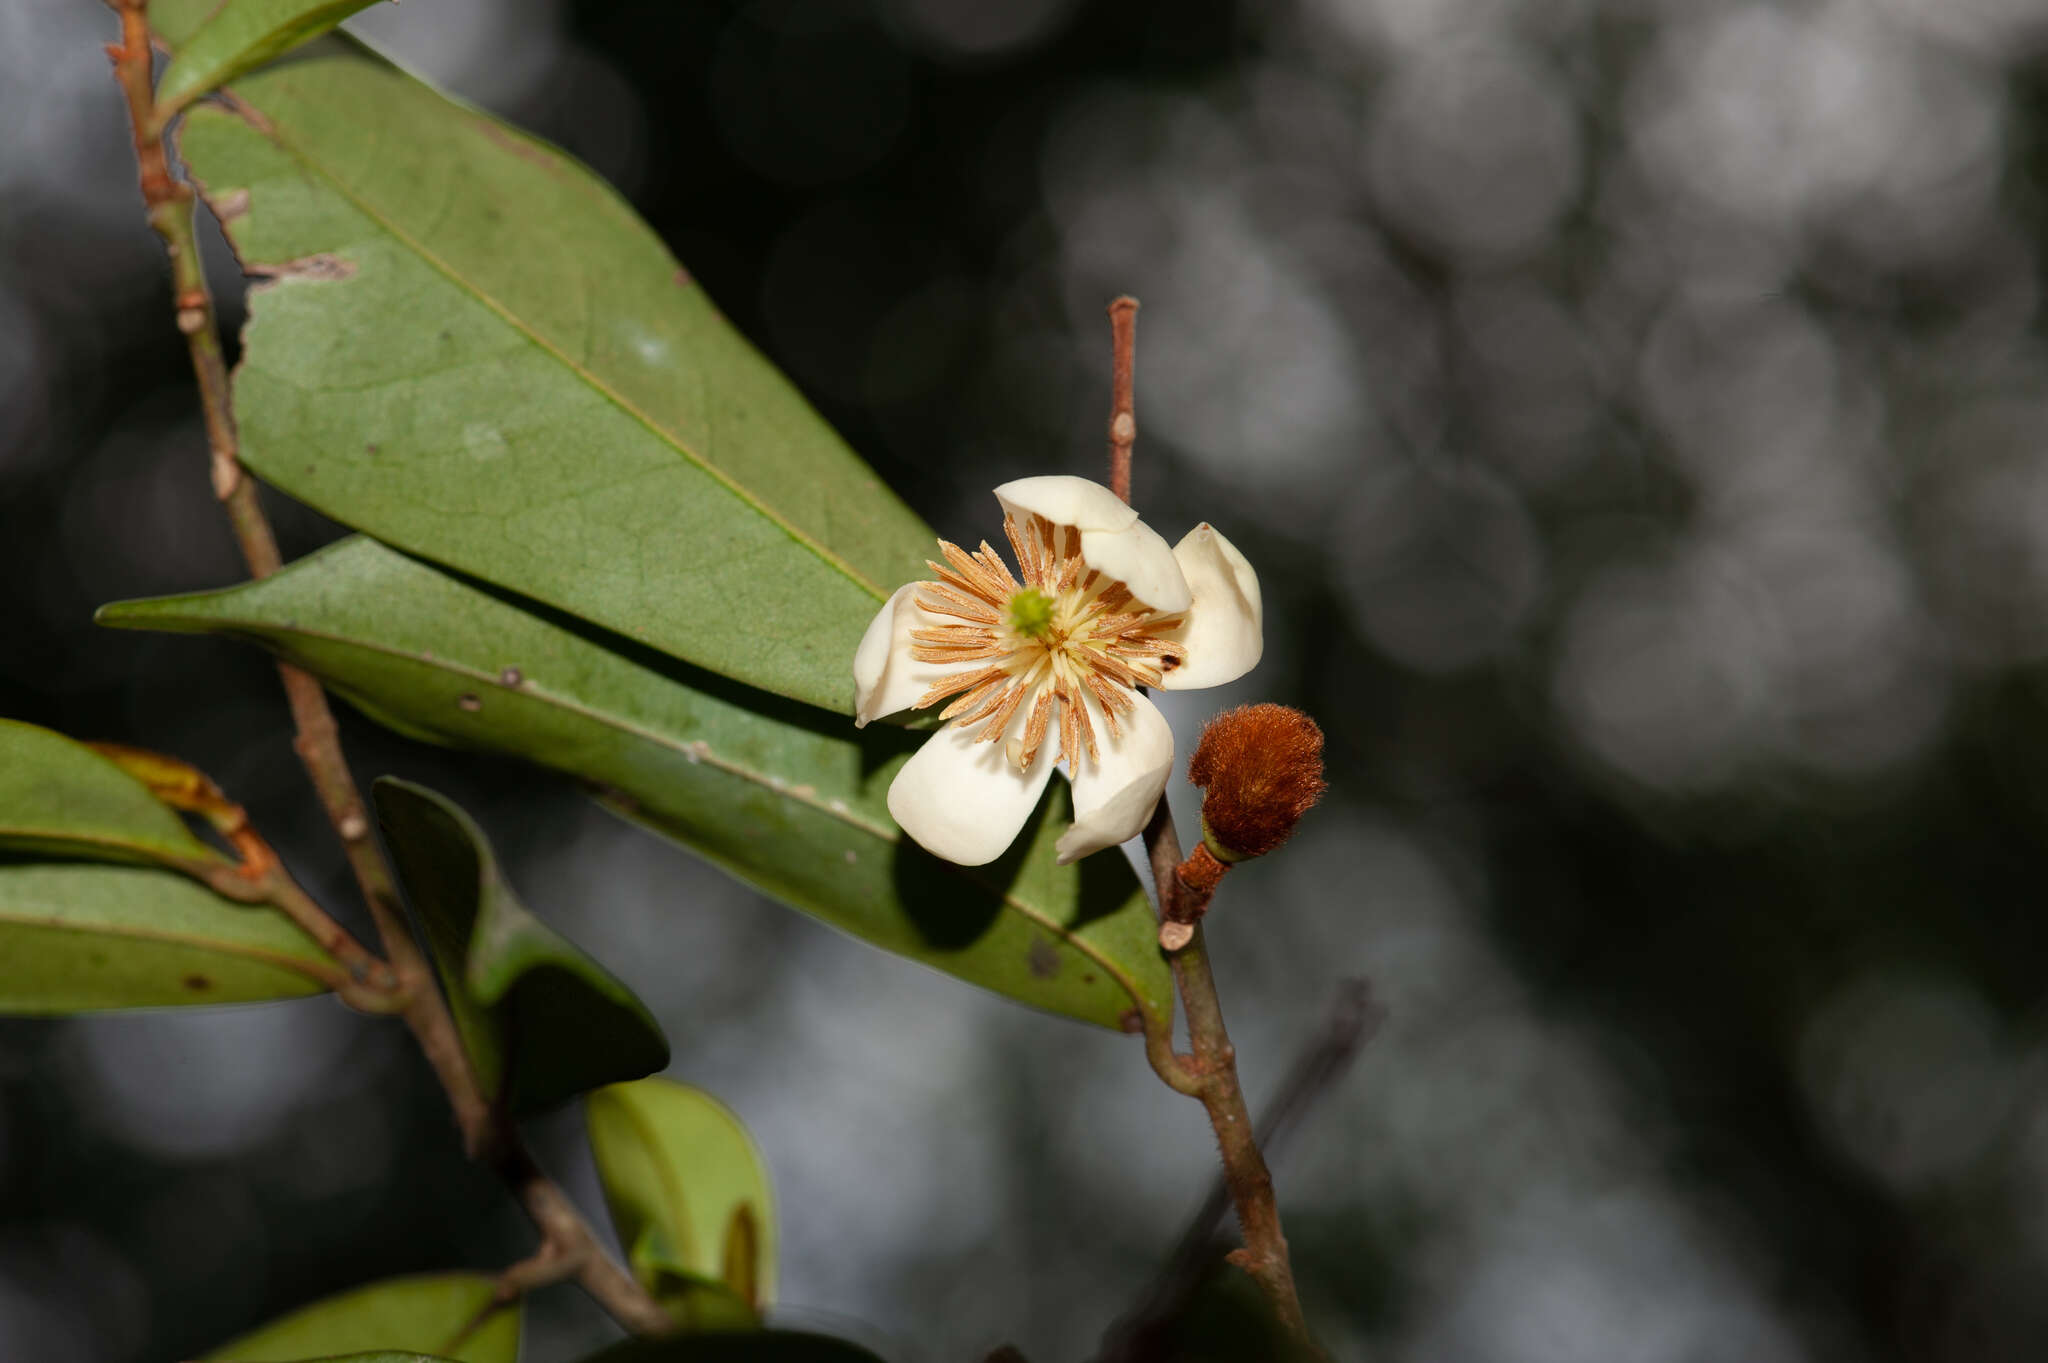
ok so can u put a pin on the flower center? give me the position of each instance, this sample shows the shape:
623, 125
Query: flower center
1065, 646
1031, 614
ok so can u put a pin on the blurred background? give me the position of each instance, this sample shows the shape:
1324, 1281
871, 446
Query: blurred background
1638, 413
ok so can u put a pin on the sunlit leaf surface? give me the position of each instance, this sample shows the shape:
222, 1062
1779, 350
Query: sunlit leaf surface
473, 348
689, 1198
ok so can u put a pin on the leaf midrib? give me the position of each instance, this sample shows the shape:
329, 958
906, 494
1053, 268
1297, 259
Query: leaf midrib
784, 789
311, 970
264, 128
671, 1190
159, 855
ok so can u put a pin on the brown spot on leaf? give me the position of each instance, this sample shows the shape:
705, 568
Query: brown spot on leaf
321, 265
511, 676
230, 206
197, 982
469, 702
1043, 959
683, 280
519, 147
1132, 1021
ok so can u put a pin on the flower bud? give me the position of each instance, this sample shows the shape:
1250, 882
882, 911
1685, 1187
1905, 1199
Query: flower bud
1261, 768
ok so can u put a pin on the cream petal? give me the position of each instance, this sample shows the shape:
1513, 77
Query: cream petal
1114, 541
1114, 794
1140, 559
1224, 634
885, 677
964, 800
1066, 500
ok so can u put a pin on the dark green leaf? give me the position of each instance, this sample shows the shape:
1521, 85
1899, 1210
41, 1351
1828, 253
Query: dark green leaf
240, 36
474, 349
436, 1314
787, 798
62, 798
541, 1021
757, 1346
75, 937
689, 1197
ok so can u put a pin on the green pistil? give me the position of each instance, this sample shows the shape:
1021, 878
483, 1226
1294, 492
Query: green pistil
1031, 613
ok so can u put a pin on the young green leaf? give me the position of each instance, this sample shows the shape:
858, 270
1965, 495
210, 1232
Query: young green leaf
541, 1021
689, 1198
76, 937
435, 1314
791, 800
475, 350
761, 1346
60, 798
240, 36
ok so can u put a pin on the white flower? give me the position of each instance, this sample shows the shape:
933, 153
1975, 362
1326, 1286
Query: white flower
1047, 669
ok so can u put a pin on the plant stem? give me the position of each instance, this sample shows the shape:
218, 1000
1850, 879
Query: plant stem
1210, 1073
1214, 1062
1321, 1063
1123, 416
488, 1134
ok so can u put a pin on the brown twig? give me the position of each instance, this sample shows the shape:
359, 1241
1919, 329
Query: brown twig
1210, 1072
1123, 416
1214, 1060
1352, 1019
487, 1133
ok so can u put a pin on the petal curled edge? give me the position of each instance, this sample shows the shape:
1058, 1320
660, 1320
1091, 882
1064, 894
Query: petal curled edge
963, 800
1114, 542
1066, 500
1114, 795
1140, 559
885, 677
1224, 634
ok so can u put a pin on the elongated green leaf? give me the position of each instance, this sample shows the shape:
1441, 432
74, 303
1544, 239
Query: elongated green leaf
240, 36
75, 937
787, 798
382, 1356
431, 1313
541, 1021
760, 1346
62, 798
475, 350
689, 1197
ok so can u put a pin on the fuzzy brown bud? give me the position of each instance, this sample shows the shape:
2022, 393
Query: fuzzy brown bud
1261, 767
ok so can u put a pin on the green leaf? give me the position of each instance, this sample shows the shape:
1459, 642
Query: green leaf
759, 1346
475, 350
175, 21
540, 1020
431, 1313
61, 798
75, 937
240, 36
380, 1356
787, 798
689, 1197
